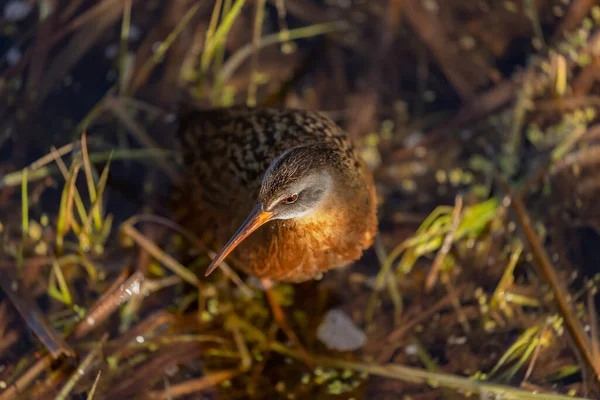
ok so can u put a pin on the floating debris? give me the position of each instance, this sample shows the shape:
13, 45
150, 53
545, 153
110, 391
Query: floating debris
338, 332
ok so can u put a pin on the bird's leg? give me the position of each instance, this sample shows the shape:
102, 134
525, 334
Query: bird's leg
280, 318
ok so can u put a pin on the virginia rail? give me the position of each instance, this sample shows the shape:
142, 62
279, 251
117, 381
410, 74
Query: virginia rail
289, 181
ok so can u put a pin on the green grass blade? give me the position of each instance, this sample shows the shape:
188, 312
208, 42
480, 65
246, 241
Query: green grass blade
160, 52
95, 212
24, 204
214, 20
220, 35
65, 172
87, 167
518, 348
218, 60
62, 284
97, 209
24, 220
507, 277
66, 208
236, 60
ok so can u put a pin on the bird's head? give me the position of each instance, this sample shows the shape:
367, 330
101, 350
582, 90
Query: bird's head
294, 186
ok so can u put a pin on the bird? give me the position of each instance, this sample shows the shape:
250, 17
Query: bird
284, 191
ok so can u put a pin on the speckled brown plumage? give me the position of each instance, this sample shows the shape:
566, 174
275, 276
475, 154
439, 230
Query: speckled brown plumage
226, 153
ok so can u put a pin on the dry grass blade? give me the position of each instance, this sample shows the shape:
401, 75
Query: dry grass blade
16, 178
193, 386
160, 255
48, 158
230, 273
92, 392
119, 293
82, 369
25, 380
151, 286
548, 272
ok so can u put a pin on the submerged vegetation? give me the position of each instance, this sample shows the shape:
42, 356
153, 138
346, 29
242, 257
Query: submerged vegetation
479, 119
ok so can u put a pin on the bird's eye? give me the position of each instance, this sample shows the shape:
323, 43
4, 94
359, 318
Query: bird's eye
291, 199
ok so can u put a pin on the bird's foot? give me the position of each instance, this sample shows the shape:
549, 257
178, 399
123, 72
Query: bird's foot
281, 320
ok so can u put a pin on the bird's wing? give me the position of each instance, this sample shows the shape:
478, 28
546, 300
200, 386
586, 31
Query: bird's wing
228, 150
211, 153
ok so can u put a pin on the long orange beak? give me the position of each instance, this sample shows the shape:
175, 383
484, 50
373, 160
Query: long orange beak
255, 220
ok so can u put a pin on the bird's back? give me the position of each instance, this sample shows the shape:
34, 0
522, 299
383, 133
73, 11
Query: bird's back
226, 152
